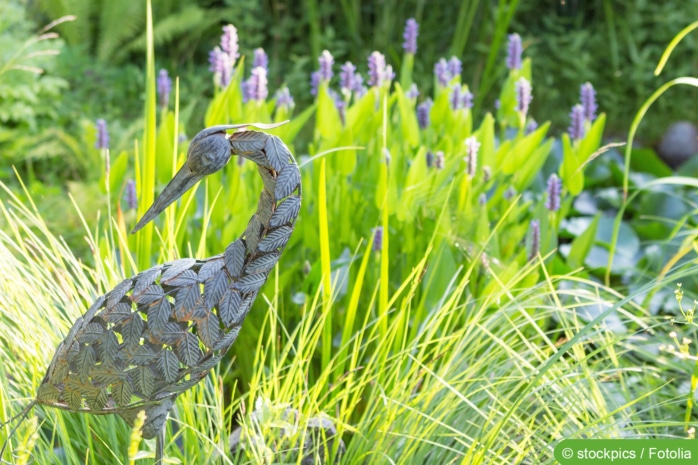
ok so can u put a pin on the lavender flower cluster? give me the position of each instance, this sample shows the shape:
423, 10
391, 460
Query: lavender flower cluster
583, 113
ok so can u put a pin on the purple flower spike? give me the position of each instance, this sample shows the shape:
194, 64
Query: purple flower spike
410, 36
423, 110
260, 59
442, 73
164, 86
131, 197
284, 99
471, 148
466, 99
378, 239
552, 203
412, 92
588, 98
102, 141
514, 52
455, 67
378, 72
576, 128
523, 95
255, 88
430, 159
535, 239
229, 43
326, 61
347, 77
221, 66
455, 97
314, 82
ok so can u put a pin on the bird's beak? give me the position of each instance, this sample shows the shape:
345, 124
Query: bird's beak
182, 182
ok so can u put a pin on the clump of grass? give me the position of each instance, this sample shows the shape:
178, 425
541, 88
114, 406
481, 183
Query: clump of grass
495, 379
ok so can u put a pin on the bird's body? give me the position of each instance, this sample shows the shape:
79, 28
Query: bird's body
160, 332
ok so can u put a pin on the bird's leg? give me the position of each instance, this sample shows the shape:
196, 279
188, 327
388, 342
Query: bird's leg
160, 446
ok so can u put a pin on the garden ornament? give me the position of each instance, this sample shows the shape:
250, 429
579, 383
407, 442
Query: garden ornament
159, 333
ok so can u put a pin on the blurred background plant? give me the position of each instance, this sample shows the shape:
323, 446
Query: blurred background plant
454, 178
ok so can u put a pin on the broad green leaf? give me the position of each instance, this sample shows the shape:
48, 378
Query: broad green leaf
327, 124
408, 118
582, 244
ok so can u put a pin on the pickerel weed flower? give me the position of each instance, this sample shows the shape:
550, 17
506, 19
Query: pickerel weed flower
455, 67
455, 99
378, 239
221, 67
410, 36
442, 73
130, 194
423, 110
229, 43
378, 72
102, 141
588, 99
523, 95
466, 99
430, 159
576, 128
535, 239
256, 87
471, 148
284, 99
325, 60
552, 202
412, 92
347, 77
164, 86
314, 82
514, 51
260, 59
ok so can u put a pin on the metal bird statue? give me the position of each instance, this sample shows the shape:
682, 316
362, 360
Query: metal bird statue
159, 333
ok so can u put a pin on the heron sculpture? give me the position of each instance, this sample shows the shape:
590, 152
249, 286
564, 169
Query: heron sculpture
159, 333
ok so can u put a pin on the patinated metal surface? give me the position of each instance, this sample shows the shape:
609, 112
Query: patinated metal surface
159, 333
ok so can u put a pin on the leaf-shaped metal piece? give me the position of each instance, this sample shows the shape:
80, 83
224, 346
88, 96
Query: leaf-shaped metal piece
247, 142
251, 283
185, 278
276, 239
214, 288
132, 330
145, 279
159, 314
211, 267
152, 293
48, 393
253, 233
91, 333
168, 364
288, 180
143, 380
277, 152
84, 362
122, 392
108, 348
119, 313
116, 294
229, 306
263, 263
188, 349
73, 398
227, 340
285, 212
185, 301
235, 258
208, 329
175, 268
